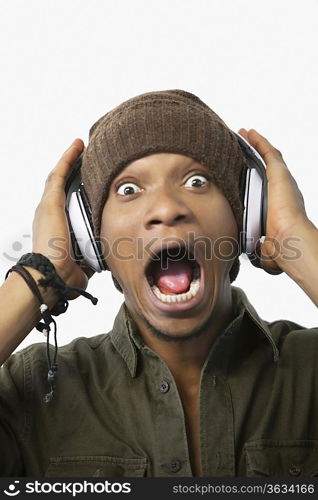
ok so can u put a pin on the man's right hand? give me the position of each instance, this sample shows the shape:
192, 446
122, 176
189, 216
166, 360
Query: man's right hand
50, 229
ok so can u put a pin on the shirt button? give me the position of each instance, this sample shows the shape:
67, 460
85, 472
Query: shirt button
294, 470
164, 386
175, 465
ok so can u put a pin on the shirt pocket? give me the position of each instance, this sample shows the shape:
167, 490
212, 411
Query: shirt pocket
284, 458
96, 466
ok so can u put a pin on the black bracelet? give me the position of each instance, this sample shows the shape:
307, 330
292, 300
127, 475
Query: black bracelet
52, 279
44, 310
45, 266
43, 327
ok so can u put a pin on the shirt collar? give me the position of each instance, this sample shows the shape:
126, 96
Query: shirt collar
127, 340
243, 304
122, 338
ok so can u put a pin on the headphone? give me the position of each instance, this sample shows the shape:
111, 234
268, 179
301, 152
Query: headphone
253, 191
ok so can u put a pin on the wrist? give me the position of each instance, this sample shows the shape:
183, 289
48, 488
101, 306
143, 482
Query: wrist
291, 248
302, 264
50, 296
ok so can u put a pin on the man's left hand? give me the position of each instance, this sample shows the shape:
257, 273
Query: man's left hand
286, 214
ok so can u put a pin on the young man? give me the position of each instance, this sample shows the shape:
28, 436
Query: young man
190, 381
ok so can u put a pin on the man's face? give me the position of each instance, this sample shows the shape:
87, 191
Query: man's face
172, 239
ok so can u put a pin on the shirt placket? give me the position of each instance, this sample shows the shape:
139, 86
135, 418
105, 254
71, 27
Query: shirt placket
216, 415
171, 454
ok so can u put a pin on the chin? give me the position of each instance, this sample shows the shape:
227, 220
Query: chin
171, 331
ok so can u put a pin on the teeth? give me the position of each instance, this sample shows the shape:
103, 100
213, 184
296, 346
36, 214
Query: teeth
180, 297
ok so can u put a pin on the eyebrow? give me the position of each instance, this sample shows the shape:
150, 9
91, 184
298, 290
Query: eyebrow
191, 165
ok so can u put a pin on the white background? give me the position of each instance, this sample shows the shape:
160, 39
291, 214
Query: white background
65, 63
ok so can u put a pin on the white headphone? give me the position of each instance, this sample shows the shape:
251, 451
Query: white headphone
254, 197
253, 192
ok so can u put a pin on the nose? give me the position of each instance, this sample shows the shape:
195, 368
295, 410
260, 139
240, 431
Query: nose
165, 207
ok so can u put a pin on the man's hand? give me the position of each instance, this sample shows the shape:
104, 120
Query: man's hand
286, 214
50, 227
291, 240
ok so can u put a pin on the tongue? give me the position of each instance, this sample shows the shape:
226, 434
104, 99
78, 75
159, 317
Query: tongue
175, 279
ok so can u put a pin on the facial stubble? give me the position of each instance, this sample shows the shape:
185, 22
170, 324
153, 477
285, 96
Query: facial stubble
167, 336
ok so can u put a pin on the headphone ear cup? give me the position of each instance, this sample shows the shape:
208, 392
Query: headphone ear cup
96, 248
252, 216
78, 213
83, 233
254, 197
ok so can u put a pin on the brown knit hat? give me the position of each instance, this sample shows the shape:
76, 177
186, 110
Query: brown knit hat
171, 121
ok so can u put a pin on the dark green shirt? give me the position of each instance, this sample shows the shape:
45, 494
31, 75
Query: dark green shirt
117, 411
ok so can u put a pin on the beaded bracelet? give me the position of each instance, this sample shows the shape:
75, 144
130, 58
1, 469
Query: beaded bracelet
43, 327
52, 279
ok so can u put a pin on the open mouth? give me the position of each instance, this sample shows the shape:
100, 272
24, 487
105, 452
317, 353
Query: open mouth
174, 275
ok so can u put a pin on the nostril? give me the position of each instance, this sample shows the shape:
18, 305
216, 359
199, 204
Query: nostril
160, 221
180, 217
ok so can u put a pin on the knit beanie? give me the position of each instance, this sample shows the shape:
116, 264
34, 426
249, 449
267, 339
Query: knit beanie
169, 121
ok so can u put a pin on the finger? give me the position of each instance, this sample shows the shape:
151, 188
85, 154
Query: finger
267, 251
243, 133
57, 177
260, 259
87, 270
267, 151
271, 268
255, 259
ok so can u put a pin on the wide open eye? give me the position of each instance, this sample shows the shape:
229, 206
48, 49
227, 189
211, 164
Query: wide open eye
196, 181
128, 188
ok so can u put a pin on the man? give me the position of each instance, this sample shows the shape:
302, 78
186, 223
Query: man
191, 381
